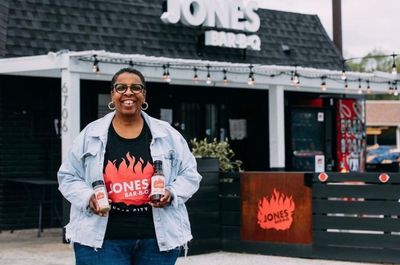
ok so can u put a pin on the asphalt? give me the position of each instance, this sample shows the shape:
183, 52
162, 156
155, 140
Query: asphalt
23, 247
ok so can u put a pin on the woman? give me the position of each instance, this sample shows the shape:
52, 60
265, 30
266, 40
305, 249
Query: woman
120, 149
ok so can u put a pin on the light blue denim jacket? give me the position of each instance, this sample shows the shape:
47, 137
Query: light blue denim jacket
84, 164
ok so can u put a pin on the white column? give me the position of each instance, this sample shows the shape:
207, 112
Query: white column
70, 109
276, 127
398, 137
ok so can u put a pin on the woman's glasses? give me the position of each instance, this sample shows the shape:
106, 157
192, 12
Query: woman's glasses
135, 88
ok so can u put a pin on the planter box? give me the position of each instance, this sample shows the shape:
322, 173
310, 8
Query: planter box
207, 164
203, 209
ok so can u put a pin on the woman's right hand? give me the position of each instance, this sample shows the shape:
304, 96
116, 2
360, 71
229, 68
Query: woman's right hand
94, 206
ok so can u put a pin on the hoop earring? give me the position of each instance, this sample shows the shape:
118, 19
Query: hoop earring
111, 105
145, 106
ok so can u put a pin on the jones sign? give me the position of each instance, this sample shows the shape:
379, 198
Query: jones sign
222, 14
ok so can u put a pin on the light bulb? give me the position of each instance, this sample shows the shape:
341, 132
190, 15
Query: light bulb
296, 79
394, 69
343, 76
208, 81
323, 86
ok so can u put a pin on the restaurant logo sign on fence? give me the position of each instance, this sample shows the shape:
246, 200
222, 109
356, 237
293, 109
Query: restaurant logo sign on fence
234, 15
276, 212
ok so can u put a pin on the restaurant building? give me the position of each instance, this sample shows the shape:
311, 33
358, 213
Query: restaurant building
269, 81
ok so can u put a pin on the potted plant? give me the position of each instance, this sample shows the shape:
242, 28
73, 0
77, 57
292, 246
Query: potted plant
219, 150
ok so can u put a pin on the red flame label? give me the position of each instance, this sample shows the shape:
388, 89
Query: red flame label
276, 212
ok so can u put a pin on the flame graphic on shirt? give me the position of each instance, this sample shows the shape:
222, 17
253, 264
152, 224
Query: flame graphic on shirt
129, 182
276, 212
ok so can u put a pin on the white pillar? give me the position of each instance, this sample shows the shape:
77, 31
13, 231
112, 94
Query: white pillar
276, 127
398, 137
70, 109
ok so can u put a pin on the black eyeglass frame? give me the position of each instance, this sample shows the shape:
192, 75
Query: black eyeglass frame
130, 87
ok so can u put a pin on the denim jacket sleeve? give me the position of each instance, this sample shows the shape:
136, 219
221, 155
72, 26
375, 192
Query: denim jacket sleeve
188, 179
71, 176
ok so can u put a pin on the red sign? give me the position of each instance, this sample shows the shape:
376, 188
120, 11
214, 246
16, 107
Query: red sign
275, 207
323, 177
276, 212
384, 177
350, 140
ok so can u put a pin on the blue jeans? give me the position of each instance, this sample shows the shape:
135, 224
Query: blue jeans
125, 252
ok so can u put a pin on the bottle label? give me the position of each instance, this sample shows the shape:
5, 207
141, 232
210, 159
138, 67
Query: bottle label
157, 185
101, 197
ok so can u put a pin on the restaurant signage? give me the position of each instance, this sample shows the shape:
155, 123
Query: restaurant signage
275, 212
234, 15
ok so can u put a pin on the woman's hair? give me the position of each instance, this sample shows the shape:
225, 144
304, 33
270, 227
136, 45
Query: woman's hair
130, 71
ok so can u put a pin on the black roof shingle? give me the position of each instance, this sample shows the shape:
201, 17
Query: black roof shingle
34, 27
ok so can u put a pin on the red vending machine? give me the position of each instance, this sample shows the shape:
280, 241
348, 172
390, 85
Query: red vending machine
351, 135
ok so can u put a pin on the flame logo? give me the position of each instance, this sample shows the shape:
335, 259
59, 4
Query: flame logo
130, 181
276, 212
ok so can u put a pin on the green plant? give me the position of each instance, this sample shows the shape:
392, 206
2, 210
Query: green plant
218, 149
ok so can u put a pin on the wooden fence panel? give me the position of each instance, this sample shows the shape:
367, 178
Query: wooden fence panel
356, 217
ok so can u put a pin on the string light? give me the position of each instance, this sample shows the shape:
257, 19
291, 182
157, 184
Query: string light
323, 83
166, 77
95, 67
390, 88
294, 74
208, 81
225, 78
296, 78
394, 68
359, 86
195, 76
250, 80
343, 76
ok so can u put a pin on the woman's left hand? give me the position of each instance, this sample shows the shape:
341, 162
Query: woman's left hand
164, 201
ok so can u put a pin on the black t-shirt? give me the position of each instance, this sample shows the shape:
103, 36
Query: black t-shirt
128, 168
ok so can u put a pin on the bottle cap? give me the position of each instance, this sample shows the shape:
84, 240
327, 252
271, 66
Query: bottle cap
97, 182
157, 164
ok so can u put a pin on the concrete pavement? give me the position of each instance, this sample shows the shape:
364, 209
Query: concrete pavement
23, 247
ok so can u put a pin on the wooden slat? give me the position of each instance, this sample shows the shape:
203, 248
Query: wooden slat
355, 239
356, 207
357, 254
368, 191
209, 179
359, 222
230, 218
230, 203
230, 232
227, 188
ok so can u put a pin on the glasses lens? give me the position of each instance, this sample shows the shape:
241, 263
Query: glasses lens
136, 88
120, 88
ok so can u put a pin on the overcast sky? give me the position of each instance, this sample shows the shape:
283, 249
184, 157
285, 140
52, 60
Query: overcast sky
366, 24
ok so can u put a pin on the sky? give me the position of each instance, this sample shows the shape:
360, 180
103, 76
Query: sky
366, 24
